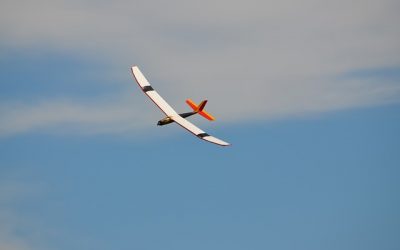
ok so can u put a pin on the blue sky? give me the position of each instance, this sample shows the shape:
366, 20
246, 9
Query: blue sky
308, 94
329, 182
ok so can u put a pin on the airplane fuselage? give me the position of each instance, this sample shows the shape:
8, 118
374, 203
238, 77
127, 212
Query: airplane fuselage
168, 120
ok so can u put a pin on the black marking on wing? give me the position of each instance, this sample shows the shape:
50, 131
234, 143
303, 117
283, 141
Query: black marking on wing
202, 135
147, 88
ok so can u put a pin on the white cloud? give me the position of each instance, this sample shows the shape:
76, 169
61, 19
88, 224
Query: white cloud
251, 59
92, 118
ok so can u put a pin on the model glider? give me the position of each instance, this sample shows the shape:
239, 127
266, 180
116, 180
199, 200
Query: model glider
172, 115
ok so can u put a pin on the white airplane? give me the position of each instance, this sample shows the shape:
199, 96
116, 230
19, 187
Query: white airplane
172, 115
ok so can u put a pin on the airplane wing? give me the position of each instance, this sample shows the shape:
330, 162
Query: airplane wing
169, 111
150, 92
196, 131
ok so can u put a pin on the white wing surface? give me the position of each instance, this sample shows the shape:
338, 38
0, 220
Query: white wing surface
196, 131
150, 92
169, 111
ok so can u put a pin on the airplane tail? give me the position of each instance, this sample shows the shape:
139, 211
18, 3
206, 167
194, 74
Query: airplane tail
200, 109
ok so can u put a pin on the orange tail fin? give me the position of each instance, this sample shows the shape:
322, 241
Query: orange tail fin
200, 109
201, 106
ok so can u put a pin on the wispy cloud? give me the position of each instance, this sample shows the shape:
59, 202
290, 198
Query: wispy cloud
13, 224
252, 60
56, 115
